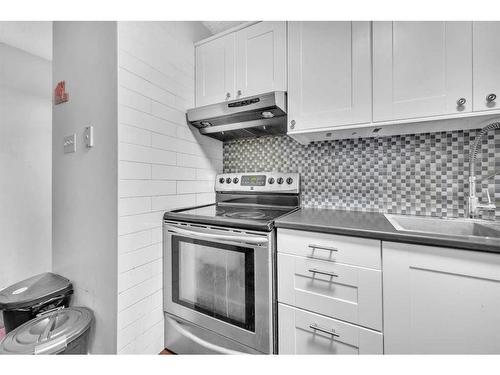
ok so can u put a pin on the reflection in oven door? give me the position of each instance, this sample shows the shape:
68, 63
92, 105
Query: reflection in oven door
215, 281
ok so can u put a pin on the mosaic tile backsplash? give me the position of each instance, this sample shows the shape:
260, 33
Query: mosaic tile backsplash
419, 174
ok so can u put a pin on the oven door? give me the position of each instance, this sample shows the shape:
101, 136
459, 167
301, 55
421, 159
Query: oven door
220, 280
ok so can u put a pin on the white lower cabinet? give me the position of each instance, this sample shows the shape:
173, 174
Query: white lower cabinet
440, 300
434, 300
352, 294
303, 332
329, 294
355, 251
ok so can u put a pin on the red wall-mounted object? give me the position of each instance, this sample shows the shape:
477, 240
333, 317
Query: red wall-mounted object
60, 94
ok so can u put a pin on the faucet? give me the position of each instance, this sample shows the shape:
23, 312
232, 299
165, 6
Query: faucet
474, 207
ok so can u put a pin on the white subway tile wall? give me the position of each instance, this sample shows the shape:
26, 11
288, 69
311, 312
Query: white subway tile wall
164, 164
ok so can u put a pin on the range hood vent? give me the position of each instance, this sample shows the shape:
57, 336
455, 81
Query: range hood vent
253, 116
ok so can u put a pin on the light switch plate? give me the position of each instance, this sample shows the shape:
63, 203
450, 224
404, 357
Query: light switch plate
88, 136
70, 143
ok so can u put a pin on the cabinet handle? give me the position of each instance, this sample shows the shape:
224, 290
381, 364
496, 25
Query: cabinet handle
326, 273
315, 327
491, 98
239, 93
461, 102
312, 246
228, 95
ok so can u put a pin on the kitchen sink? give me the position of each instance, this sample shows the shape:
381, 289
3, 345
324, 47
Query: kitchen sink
444, 227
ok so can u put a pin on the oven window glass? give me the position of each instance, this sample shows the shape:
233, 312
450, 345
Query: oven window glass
215, 279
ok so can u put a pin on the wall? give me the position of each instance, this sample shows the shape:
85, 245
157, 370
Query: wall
33, 37
85, 191
423, 174
25, 164
164, 164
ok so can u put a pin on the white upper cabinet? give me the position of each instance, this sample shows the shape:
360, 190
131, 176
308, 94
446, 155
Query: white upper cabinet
261, 59
247, 62
215, 71
329, 74
440, 301
371, 76
422, 69
486, 65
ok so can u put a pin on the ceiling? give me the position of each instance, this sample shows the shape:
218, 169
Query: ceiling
218, 26
34, 37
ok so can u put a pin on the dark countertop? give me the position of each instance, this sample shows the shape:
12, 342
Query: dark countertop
375, 225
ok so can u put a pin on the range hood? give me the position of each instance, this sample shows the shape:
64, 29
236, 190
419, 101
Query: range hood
253, 116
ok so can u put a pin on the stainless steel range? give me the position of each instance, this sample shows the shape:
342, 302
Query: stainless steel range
219, 266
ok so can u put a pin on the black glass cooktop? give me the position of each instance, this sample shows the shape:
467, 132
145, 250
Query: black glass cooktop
249, 217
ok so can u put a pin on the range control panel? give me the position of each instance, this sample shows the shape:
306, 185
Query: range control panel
258, 182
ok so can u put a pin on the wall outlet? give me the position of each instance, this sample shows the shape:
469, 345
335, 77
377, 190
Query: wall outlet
69, 143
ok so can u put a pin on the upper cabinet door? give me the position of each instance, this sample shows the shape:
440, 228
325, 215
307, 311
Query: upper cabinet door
421, 69
329, 77
215, 71
261, 59
486, 65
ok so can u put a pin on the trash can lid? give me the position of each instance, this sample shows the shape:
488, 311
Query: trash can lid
31, 291
49, 333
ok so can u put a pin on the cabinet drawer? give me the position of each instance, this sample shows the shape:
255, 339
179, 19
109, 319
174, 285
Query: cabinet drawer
352, 294
302, 332
343, 249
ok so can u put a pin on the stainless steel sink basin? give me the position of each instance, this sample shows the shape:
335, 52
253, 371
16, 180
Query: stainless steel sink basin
444, 227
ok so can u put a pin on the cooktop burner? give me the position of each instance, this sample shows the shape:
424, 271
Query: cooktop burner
246, 214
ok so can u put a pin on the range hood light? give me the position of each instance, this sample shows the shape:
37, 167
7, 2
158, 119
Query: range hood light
205, 124
267, 114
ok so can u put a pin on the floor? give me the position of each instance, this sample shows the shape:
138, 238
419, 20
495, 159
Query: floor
165, 352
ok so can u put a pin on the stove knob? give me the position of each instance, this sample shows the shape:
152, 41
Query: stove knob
228, 180
270, 180
236, 180
221, 180
289, 180
280, 180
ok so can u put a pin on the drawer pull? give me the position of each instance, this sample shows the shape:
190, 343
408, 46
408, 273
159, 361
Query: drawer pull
315, 327
312, 246
313, 270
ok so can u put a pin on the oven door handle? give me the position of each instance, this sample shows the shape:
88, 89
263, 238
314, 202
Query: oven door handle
218, 237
